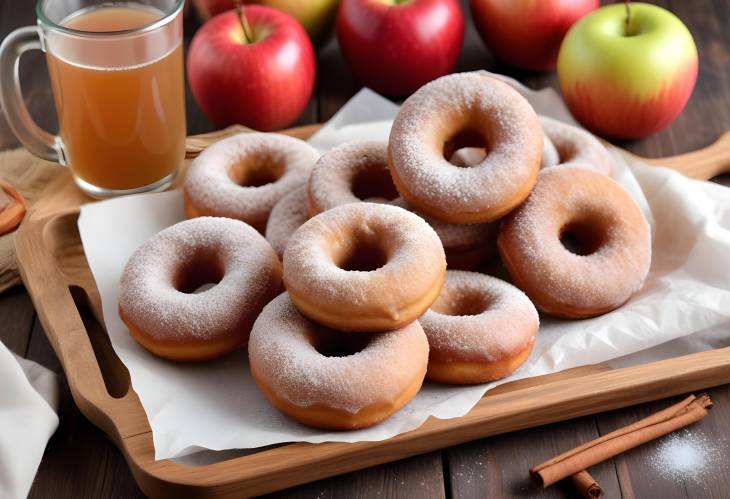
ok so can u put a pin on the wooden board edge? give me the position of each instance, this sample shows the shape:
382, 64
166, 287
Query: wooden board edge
299, 463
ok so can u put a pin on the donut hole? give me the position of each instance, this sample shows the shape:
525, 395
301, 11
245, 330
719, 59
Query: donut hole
331, 343
363, 254
463, 303
466, 148
566, 154
374, 183
468, 156
257, 171
562, 156
582, 237
199, 273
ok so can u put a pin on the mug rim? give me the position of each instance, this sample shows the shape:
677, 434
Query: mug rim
145, 28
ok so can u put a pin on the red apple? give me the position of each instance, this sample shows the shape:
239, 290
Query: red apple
395, 46
263, 81
527, 33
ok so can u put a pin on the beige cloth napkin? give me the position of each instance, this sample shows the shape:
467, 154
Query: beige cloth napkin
29, 175
28, 405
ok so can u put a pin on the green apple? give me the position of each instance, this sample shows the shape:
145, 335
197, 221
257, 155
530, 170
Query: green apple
627, 79
317, 16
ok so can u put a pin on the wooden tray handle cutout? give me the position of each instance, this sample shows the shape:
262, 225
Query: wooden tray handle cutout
67, 333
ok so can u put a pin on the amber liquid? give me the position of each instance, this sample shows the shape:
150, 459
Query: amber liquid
122, 128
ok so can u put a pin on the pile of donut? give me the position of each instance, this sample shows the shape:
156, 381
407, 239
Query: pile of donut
346, 305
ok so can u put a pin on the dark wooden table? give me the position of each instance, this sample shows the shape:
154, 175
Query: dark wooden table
81, 463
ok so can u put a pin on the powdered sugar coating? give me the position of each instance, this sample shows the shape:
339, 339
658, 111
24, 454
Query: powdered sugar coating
148, 294
506, 326
286, 217
333, 177
415, 260
562, 282
465, 102
210, 189
456, 236
574, 145
550, 155
283, 357
331, 185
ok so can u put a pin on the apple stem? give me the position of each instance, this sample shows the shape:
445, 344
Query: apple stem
628, 15
245, 27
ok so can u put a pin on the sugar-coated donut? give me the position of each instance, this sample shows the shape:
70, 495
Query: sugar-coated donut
364, 267
479, 329
349, 173
358, 171
244, 176
287, 216
579, 246
457, 111
573, 145
465, 245
333, 380
157, 299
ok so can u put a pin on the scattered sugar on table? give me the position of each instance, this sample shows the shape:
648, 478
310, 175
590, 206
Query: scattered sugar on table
688, 455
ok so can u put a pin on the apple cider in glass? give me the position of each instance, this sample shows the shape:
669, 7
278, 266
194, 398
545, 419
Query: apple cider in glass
122, 125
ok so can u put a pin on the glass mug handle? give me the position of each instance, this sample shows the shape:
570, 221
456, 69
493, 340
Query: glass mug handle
34, 138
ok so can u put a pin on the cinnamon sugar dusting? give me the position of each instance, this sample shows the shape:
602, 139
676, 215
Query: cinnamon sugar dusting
333, 176
282, 164
149, 290
479, 317
336, 173
573, 145
414, 258
619, 239
465, 102
286, 217
281, 351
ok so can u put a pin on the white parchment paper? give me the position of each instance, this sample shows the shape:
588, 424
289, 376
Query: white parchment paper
216, 405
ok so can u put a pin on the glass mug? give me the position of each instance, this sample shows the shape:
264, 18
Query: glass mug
116, 71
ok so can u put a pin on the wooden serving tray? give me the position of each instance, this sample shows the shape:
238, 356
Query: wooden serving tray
57, 276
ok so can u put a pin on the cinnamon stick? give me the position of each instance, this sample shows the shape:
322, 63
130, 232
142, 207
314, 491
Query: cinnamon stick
586, 485
682, 414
